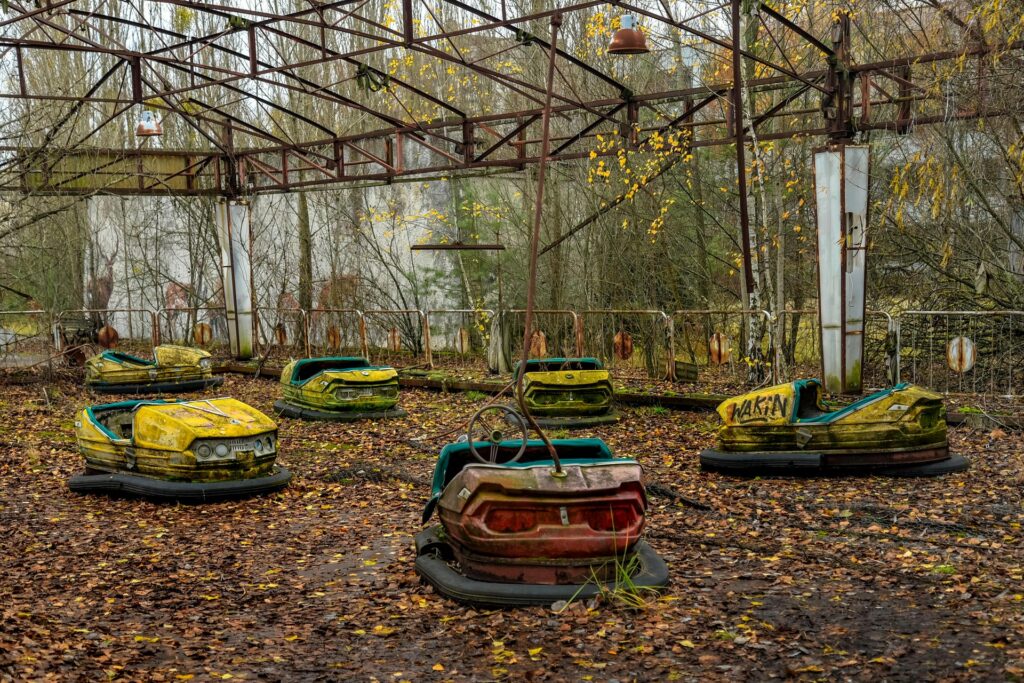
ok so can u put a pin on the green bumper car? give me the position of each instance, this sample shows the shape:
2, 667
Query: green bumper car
342, 389
787, 429
568, 392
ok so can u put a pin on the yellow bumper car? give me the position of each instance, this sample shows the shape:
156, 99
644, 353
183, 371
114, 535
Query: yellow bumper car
568, 392
192, 451
788, 429
173, 369
342, 389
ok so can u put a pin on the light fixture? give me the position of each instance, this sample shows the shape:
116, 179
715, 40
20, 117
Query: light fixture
148, 125
628, 39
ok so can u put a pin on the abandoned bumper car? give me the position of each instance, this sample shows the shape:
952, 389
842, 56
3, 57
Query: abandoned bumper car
568, 392
519, 527
340, 389
788, 429
173, 369
192, 451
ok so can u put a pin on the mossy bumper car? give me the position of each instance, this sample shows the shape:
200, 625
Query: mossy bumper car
340, 389
173, 369
568, 392
787, 429
192, 451
513, 532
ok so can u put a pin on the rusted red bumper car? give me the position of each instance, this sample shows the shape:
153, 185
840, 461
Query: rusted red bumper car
515, 529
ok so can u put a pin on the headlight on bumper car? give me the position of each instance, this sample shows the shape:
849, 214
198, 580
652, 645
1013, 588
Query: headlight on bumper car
226, 450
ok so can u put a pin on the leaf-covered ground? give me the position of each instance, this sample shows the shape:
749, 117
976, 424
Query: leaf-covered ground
836, 579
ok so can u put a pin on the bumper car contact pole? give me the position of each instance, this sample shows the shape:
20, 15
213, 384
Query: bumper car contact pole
538, 209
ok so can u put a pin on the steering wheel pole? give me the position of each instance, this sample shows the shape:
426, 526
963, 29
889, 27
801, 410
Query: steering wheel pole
538, 211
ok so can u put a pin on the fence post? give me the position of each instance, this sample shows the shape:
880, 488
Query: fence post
670, 326
427, 354
577, 327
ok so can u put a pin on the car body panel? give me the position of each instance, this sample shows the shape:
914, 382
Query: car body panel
517, 522
556, 387
163, 439
171, 364
791, 416
339, 384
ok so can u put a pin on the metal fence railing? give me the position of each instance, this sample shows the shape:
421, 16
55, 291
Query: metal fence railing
203, 327
715, 340
336, 332
948, 351
281, 332
796, 341
630, 343
132, 329
459, 337
975, 352
397, 337
25, 339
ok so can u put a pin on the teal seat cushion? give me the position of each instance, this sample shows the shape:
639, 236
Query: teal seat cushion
121, 357
307, 368
832, 416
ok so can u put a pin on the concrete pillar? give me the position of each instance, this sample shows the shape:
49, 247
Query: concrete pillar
841, 196
231, 217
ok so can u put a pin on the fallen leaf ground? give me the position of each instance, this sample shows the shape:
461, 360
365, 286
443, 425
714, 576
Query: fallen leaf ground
815, 579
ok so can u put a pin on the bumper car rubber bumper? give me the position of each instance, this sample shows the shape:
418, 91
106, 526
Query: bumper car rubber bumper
156, 387
181, 491
435, 569
577, 421
284, 409
810, 463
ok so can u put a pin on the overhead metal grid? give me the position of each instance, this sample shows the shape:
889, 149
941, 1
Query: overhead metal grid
254, 99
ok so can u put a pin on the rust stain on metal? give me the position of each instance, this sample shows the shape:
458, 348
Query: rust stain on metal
333, 339
462, 340
107, 337
960, 354
281, 334
202, 334
719, 348
538, 344
623, 345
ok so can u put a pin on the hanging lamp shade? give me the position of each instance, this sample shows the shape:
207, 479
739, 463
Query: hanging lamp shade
628, 39
148, 125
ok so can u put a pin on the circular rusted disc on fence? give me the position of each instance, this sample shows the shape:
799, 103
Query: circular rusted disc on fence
394, 340
281, 334
960, 354
462, 340
623, 345
107, 337
719, 348
333, 339
538, 344
202, 334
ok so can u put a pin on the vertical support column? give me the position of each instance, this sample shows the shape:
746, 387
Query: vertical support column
231, 217
841, 197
